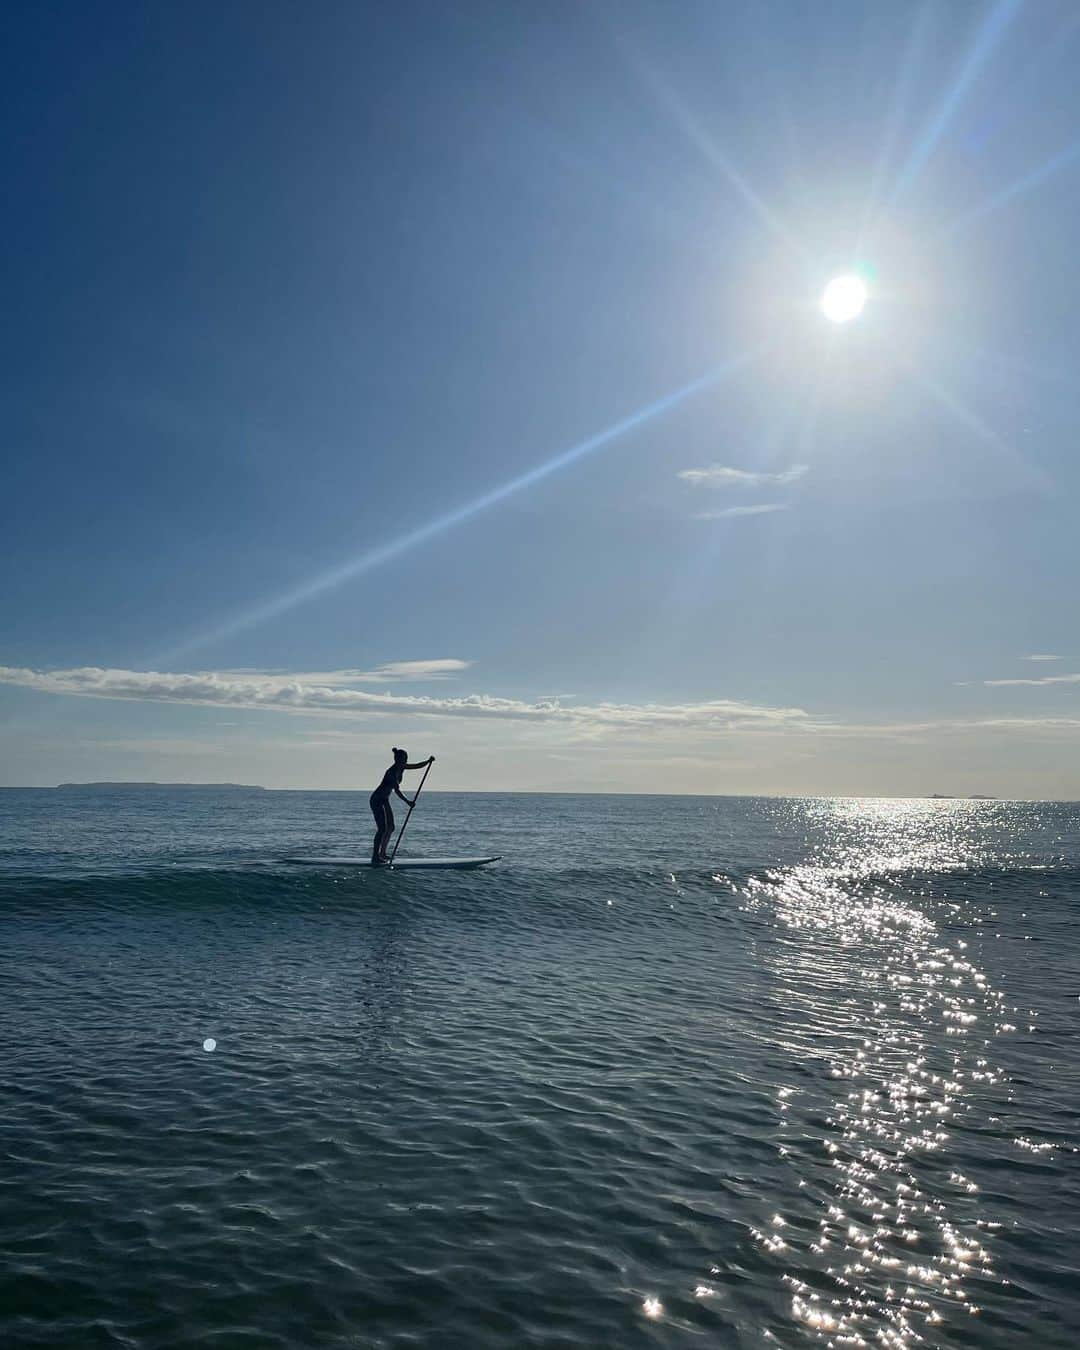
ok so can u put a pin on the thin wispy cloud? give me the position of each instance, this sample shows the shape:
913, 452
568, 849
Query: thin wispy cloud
766, 508
392, 672
722, 475
1024, 679
1045, 679
957, 726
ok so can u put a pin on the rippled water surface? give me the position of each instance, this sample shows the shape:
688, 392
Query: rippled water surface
676, 1072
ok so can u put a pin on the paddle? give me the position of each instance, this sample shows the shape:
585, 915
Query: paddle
405, 823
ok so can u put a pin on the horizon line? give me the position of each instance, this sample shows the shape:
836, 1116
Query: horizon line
553, 792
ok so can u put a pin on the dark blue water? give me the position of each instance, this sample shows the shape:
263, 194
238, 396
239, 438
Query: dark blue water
676, 1072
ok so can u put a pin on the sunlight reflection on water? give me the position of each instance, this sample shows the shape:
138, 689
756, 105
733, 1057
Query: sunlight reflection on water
892, 1251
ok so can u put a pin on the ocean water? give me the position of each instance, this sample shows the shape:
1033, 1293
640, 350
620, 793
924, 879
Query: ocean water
676, 1072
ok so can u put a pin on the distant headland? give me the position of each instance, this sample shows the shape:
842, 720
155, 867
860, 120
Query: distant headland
232, 787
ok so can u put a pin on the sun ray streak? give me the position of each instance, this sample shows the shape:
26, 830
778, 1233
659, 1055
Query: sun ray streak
916, 45
1033, 476
704, 143
998, 20
1016, 189
395, 548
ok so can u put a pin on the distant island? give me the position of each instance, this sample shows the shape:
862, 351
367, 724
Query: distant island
232, 787
975, 797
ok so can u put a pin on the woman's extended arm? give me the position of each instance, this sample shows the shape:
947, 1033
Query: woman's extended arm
423, 763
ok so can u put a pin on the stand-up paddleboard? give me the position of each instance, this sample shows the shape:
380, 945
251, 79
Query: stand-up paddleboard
458, 864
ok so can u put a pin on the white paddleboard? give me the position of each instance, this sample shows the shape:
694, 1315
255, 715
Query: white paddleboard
460, 864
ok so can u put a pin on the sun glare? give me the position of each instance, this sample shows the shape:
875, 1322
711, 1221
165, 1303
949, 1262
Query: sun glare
843, 299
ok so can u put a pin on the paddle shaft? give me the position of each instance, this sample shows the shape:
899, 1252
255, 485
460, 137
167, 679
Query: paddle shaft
405, 822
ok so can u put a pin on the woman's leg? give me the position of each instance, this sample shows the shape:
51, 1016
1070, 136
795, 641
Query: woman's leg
378, 810
388, 830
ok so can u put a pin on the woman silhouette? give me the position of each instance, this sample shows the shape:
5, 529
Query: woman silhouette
380, 803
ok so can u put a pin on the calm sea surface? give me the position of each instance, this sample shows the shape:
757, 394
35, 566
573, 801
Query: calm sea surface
676, 1072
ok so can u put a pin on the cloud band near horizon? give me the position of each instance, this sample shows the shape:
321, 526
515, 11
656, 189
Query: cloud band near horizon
333, 693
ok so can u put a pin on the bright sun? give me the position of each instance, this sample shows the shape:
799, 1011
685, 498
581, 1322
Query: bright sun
843, 299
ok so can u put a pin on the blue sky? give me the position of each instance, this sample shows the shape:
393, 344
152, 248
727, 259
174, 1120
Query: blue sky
346, 340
